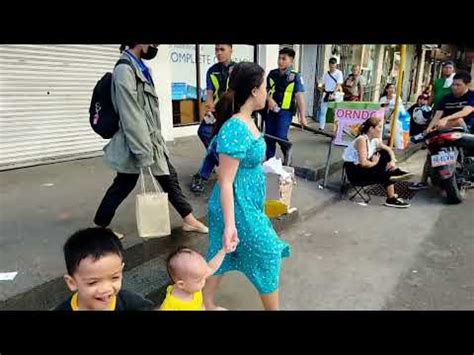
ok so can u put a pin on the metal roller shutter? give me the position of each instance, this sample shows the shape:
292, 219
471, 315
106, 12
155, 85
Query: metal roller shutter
45, 93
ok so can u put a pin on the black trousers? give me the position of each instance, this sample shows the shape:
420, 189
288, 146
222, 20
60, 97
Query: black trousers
124, 184
374, 175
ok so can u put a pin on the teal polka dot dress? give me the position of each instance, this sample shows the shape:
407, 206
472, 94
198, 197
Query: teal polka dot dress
260, 251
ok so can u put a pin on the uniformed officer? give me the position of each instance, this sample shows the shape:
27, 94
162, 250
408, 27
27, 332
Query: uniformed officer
217, 82
285, 95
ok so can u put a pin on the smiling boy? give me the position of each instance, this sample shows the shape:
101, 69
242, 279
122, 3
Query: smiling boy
94, 262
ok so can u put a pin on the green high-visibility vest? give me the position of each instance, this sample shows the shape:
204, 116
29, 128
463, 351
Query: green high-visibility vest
282, 89
220, 81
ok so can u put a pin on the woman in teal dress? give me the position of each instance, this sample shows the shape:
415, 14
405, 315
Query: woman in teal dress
236, 214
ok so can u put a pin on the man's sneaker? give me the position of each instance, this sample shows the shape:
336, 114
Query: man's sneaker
400, 175
197, 184
396, 202
418, 186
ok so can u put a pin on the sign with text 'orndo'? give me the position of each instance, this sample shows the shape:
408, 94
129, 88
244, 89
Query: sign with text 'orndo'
348, 116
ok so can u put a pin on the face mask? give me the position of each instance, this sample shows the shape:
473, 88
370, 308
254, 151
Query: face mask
152, 52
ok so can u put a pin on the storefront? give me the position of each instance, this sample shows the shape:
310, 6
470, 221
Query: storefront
311, 68
187, 75
366, 56
45, 93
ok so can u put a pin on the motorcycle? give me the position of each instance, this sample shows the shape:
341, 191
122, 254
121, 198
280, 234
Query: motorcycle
451, 160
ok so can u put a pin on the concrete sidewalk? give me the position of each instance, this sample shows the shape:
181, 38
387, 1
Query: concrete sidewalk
311, 153
370, 257
41, 206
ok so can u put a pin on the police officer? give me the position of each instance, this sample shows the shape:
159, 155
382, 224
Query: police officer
285, 94
217, 82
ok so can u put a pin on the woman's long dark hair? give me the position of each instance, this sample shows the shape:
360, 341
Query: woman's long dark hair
245, 77
124, 46
385, 91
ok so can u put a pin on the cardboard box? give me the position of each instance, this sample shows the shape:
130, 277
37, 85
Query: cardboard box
279, 191
187, 113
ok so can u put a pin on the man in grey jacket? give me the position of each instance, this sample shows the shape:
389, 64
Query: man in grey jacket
138, 143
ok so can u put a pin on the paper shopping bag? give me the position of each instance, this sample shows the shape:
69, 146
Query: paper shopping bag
152, 211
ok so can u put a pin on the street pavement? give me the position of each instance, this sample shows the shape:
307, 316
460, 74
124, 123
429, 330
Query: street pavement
354, 257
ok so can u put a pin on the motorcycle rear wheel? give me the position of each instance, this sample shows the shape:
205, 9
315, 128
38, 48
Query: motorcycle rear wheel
453, 194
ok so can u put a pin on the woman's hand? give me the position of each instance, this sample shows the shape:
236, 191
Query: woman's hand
230, 239
228, 169
391, 165
375, 158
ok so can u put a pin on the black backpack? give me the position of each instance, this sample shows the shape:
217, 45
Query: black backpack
102, 116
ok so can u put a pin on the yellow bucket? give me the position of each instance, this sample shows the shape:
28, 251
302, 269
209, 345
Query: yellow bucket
275, 208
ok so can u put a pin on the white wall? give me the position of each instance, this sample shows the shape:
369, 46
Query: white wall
297, 62
268, 56
161, 73
308, 73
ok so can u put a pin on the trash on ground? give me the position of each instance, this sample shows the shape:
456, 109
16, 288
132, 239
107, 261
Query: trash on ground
8, 276
275, 166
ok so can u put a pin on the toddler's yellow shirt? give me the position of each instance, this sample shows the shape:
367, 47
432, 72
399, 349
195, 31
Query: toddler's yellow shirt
172, 303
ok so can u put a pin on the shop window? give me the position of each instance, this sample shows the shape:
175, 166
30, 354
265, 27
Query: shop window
188, 100
184, 84
240, 53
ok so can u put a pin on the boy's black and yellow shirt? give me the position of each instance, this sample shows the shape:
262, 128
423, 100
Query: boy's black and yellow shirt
124, 301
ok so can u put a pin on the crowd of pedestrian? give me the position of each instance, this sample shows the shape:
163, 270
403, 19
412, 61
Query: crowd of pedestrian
241, 237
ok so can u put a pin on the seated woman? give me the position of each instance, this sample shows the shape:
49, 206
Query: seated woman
368, 160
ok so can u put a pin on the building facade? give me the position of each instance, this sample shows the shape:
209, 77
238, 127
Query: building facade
45, 90
45, 93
